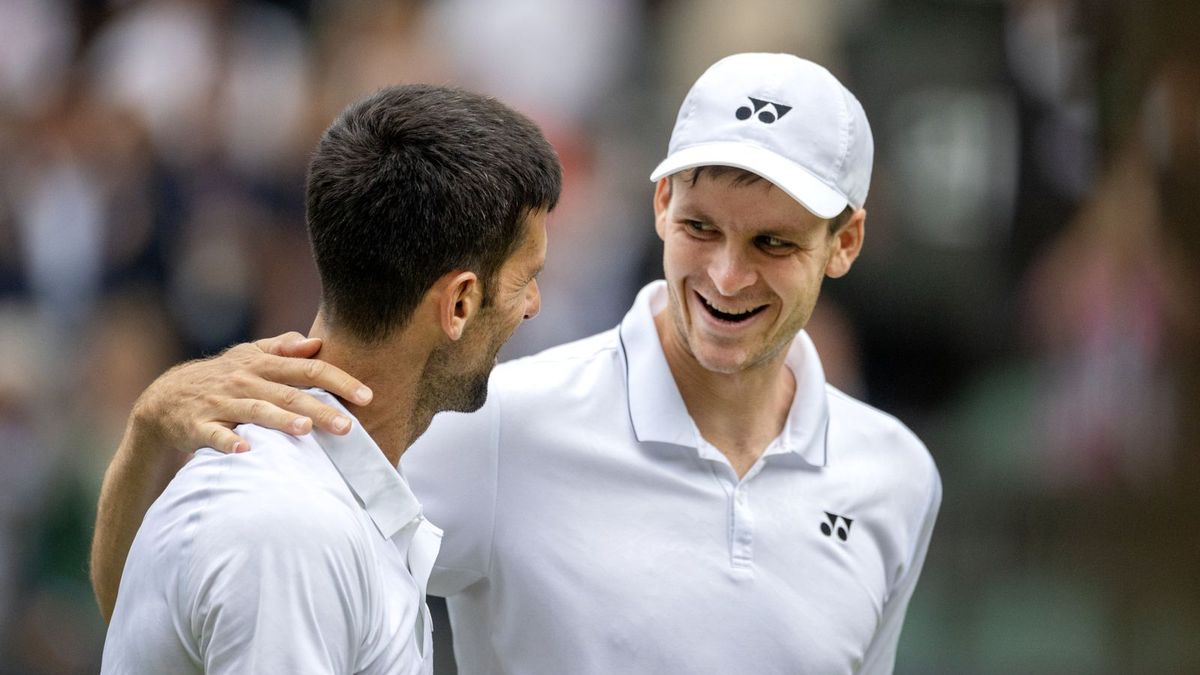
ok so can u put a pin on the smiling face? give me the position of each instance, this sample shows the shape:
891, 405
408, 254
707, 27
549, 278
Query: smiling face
744, 264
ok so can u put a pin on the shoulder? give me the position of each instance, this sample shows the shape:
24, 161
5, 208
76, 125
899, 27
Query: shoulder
284, 493
863, 419
520, 394
878, 444
589, 361
601, 346
299, 517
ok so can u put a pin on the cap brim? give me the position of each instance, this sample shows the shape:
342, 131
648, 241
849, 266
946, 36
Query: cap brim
785, 174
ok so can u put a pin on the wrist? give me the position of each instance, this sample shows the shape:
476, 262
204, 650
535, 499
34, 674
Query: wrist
144, 435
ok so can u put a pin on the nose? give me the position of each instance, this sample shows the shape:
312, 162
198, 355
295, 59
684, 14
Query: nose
533, 300
730, 271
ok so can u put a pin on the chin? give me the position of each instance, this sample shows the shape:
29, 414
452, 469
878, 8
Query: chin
718, 360
478, 398
474, 394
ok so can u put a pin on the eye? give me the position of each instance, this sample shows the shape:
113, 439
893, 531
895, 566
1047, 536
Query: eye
698, 228
774, 245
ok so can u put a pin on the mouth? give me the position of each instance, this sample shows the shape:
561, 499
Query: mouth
730, 315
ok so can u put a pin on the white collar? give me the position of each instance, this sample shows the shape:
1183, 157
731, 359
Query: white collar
375, 482
656, 406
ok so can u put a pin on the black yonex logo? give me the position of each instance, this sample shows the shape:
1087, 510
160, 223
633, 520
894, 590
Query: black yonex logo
843, 530
764, 116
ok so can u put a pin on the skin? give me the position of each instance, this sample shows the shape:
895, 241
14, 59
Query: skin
741, 248
198, 403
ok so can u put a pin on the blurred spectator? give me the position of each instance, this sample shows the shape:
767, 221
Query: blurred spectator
126, 345
37, 43
1098, 298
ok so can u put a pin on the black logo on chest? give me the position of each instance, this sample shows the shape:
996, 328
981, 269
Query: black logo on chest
839, 524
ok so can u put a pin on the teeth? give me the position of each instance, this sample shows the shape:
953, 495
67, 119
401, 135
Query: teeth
728, 310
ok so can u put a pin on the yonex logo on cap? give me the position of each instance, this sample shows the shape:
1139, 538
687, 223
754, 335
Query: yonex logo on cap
821, 157
843, 530
764, 116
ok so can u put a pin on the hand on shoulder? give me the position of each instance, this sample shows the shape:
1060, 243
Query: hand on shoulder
197, 404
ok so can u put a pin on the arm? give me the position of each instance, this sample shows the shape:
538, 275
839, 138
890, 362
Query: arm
196, 405
880, 657
131, 484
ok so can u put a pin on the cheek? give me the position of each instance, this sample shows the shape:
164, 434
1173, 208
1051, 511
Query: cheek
515, 312
797, 286
681, 256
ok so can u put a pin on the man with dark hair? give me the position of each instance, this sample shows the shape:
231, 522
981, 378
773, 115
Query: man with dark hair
683, 493
426, 211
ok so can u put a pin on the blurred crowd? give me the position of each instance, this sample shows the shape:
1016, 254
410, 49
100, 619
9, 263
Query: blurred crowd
1028, 299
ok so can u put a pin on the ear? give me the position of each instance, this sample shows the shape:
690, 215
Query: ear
846, 245
662, 200
459, 300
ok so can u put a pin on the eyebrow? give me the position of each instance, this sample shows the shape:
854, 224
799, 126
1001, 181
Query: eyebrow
692, 212
789, 231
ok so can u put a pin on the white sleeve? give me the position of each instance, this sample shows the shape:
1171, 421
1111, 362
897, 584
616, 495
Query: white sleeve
278, 587
452, 469
880, 657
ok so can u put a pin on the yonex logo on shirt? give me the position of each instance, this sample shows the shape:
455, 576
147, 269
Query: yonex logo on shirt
843, 530
764, 116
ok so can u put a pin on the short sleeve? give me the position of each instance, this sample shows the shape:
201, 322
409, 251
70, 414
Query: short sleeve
452, 469
279, 586
880, 657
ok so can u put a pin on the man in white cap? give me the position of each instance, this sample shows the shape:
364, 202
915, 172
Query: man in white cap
683, 493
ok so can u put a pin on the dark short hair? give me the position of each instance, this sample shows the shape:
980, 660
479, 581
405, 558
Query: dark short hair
739, 176
411, 183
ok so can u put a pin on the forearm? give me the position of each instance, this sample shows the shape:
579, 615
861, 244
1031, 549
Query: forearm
140, 470
196, 405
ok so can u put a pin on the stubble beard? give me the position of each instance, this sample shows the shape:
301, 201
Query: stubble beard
446, 386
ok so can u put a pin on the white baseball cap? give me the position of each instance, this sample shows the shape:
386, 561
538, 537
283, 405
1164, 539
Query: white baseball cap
783, 118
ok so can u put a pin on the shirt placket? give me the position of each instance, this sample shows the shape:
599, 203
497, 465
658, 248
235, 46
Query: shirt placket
741, 516
741, 540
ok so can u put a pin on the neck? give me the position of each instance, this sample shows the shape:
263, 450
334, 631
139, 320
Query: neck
740, 413
394, 375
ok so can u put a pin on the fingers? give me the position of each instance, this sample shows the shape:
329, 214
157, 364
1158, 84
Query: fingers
303, 405
297, 419
290, 344
196, 404
313, 373
294, 366
221, 438
266, 414
289, 410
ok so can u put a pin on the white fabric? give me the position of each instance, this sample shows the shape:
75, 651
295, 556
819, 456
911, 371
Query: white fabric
591, 530
784, 118
306, 555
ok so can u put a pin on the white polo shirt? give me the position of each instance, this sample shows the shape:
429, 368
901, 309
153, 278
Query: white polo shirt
590, 529
307, 555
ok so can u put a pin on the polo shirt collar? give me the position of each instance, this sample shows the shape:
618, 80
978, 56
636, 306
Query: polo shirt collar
375, 482
659, 414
